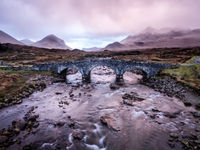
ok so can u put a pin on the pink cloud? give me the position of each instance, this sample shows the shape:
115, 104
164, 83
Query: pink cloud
93, 18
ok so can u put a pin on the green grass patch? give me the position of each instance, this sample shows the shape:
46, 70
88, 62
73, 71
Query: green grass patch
14, 82
193, 59
190, 75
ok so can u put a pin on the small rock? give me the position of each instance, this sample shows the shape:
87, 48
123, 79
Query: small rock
17, 130
32, 118
71, 124
197, 106
58, 93
114, 86
60, 123
195, 114
171, 144
155, 110
128, 102
71, 95
78, 135
19, 123
3, 139
188, 104
66, 103
36, 125
153, 116
174, 135
170, 115
109, 122
68, 144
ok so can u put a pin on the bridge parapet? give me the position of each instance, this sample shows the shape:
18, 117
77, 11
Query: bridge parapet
119, 66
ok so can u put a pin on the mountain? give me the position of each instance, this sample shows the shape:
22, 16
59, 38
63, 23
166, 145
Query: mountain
27, 41
91, 49
51, 41
163, 38
6, 38
115, 45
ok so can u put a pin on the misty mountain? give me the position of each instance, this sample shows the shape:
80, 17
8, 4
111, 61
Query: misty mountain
91, 49
6, 38
51, 41
27, 41
152, 38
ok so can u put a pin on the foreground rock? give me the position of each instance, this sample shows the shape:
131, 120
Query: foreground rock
172, 88
9, 136
129, 99
114, 86
109, 122
78, 135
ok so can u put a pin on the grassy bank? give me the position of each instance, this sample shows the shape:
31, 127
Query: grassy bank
188, 74
15, 85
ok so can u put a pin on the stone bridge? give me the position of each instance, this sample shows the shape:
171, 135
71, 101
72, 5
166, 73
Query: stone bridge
119, 67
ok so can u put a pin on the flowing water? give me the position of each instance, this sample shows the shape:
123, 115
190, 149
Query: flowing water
80, 106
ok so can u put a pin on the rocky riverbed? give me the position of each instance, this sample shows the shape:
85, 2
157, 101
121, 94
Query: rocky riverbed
100, 116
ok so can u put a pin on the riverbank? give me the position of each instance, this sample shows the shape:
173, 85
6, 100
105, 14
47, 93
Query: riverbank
18, 84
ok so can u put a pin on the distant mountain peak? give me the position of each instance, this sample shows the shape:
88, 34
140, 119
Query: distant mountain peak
6, 38
51, 41
153, 38
27, 41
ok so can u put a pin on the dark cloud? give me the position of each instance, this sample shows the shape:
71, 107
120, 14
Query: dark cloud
94, 18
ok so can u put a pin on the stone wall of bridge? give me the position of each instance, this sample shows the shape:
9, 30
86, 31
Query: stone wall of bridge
119, 67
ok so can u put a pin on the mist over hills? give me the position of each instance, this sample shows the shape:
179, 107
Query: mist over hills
152, 38
147, 39
91, 49
27, 41
50, 41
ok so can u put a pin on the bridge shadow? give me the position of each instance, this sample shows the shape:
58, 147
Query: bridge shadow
72, 75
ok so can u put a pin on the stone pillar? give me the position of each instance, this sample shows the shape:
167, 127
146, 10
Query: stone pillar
119, 79
86, 78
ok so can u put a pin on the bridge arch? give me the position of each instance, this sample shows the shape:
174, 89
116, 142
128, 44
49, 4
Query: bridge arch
68, 70
102, 73
119, 66
134, 75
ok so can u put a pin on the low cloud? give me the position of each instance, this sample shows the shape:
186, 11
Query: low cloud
80, 19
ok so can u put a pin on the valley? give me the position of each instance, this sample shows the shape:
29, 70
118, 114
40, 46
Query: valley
161, 112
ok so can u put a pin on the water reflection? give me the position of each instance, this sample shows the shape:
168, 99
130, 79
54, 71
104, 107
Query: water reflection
102, 74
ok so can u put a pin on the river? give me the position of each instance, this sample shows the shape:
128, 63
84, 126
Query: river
69, 116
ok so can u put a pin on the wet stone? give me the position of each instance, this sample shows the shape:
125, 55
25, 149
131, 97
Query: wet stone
3, 139
78, 135
187, 104
60, 123
109, 122
19, 123
174, 135
155, 110
171, 115
71, 95
17, 130
197, 106
58, 93
171, 144
132, 96
114, 86
195, 114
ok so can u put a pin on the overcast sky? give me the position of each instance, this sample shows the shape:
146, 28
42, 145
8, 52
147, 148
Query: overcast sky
88, 23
